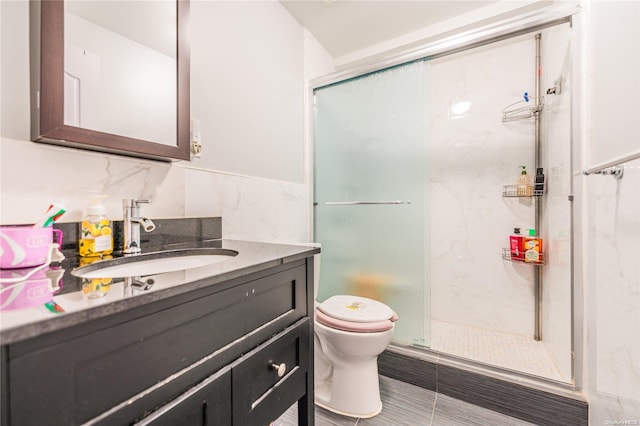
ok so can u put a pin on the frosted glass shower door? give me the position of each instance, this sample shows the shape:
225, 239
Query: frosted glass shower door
369, 194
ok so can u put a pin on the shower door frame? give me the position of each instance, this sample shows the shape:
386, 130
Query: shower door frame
504, 29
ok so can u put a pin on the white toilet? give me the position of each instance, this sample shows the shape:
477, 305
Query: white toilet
350, 333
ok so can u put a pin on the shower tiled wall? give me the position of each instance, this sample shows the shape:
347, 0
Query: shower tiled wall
470, 158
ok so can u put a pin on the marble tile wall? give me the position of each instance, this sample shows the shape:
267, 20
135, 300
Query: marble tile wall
614, 263
611, 230
252, 208
613, 305
470, 158
556, 208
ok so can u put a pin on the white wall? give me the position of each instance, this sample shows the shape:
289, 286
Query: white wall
611, 230
247, 75
247, 92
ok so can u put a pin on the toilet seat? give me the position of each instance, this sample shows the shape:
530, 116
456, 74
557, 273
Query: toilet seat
355, 314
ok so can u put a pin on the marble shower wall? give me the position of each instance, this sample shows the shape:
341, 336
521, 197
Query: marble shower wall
611, 232
471, 157
555, 130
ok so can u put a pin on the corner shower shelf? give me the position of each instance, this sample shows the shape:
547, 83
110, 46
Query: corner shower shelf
506, 255
518, 191
522, 110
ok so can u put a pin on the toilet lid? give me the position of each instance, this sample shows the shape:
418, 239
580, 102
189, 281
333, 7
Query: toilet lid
356, 309
354, 327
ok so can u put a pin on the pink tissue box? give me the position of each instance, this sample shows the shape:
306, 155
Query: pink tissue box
22, 246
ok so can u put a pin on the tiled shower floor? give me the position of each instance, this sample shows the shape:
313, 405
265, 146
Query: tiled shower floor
504, 350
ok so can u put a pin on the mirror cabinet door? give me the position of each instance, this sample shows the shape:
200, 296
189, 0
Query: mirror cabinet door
112, 76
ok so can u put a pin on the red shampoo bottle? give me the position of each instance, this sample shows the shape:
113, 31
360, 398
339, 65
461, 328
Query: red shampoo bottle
516, 245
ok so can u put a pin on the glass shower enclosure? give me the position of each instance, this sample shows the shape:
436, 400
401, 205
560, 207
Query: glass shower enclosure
411, 163
369, 208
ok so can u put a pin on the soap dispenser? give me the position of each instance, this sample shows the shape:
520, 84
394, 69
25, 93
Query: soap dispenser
96, 233
524, 184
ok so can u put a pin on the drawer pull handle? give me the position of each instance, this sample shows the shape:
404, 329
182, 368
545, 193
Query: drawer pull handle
280, 368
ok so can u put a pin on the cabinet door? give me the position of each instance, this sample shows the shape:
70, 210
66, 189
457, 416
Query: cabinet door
110, 376
269, 379
208, 403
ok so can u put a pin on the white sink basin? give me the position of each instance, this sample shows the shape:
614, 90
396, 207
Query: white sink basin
154, 263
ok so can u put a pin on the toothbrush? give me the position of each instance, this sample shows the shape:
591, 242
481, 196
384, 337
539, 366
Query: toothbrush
52, 214
53, 307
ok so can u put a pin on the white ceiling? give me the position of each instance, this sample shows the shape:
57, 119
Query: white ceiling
346, 26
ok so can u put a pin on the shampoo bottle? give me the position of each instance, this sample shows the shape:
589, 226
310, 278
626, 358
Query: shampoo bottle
516, 246
96, 235
532, 248
524, 184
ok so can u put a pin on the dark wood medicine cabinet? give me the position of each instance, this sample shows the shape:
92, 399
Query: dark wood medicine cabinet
47, 44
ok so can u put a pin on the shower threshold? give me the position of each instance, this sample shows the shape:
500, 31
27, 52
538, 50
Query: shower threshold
531, 398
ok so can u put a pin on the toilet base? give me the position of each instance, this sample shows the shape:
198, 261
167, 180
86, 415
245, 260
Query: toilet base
357, 416
325, 389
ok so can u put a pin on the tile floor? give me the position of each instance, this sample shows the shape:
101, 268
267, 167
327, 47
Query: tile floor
408, 405
510, 351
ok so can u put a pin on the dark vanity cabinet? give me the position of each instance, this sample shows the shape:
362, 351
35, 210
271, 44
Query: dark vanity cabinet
237, 352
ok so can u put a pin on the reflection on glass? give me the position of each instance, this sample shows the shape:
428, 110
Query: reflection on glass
121, 68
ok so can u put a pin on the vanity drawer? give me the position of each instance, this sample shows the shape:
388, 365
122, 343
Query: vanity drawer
109, 371
260, 393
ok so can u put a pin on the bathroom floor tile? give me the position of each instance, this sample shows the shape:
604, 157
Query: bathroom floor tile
453, 412
408, 405
402, 404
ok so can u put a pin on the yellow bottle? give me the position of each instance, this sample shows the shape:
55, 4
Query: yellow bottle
96, 233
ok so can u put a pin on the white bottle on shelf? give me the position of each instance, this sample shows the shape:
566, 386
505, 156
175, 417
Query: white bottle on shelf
524, 184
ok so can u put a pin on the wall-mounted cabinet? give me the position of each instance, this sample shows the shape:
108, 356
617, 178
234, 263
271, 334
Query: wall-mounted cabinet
101, 85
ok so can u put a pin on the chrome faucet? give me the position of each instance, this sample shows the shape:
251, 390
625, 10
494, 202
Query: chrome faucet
131, 222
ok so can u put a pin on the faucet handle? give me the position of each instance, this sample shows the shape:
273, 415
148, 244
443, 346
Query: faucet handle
132, 203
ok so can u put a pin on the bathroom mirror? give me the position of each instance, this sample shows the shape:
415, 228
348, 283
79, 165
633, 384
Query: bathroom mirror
112, 76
